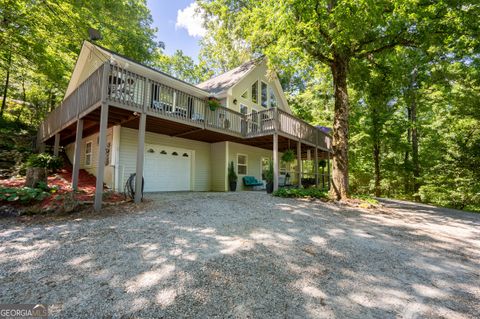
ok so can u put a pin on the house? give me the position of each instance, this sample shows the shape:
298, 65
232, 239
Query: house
165, 129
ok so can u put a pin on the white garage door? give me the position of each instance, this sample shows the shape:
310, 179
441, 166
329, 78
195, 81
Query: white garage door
167, 169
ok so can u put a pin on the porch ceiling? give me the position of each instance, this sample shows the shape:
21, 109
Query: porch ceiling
126, 118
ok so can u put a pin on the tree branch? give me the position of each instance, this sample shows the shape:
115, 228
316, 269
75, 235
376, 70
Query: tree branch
397, 41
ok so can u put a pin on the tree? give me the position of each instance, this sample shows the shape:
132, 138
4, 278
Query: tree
331, 32
40, 41
182, 67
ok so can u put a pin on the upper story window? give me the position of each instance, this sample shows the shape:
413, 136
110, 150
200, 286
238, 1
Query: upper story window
264, 94
273, 98
255, 92
245, 95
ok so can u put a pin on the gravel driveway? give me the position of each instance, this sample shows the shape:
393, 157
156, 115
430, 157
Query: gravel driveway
246, 255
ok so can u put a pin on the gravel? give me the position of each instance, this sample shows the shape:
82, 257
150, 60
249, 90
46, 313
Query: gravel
245, 255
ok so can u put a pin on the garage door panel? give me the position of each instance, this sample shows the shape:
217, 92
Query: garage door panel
167, 172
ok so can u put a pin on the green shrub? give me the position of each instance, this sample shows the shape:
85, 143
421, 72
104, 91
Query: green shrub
301, 193
232, 176
24, 195
365, 198
44, 160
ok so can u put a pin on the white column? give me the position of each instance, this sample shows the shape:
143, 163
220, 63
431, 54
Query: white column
102, 144
116, 131
56, 146
140, 158
275, 161
76, 156
299, 163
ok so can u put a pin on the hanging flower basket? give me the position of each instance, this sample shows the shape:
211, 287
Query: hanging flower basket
213, 103
288, 156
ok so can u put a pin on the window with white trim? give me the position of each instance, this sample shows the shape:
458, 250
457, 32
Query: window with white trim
245, 95
242, 164
88, 154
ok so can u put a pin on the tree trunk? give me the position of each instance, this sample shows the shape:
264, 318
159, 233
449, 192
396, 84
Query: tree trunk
339, 188
376, 159
406, 160
415, 161
5, 89
34, 176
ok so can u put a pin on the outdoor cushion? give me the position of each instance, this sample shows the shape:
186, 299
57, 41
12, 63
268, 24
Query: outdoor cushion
251, 181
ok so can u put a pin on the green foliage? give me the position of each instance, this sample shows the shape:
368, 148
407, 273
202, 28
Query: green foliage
213, 104
232, 176
40, 42
365, 198
23, 195
301, 193
45, 160
269, 172
400, 55
182, 67
288, 156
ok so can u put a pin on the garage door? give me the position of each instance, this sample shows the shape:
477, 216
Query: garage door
167, 169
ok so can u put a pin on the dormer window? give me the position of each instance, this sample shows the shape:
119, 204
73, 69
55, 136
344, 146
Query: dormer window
255, 92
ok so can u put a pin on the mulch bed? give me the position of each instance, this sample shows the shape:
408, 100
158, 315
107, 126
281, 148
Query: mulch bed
61, 181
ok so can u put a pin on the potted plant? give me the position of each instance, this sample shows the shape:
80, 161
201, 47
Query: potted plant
232, 177
213, 103
269, 178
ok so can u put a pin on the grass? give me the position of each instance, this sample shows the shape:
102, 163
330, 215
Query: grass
365, 198
301, 193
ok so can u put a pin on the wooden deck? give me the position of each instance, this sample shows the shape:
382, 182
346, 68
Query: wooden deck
132, 93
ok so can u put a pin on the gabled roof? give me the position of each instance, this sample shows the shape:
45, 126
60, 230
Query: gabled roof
221, 83
103, 54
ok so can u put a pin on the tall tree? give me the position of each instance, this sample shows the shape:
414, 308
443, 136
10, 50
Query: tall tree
330, 32
43, 38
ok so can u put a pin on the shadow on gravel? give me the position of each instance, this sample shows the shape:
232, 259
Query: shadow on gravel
247, 255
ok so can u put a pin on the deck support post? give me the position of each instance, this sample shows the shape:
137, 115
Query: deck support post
76, 155
102, 143
140, 158
328, 170
56, 146
317, 178
299, 163
275, 161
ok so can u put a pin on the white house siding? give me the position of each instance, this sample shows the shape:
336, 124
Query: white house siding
201, 171
258, 74
254, 156
219, 166
92, 169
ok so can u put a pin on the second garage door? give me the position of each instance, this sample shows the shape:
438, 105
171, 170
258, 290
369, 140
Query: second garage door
167, 169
